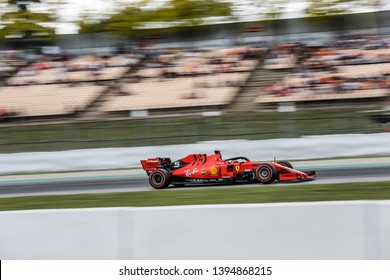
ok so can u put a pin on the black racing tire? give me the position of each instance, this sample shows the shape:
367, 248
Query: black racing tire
266, 173
160, 179
286, 163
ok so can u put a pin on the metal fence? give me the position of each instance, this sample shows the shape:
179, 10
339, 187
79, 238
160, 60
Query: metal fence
165, 131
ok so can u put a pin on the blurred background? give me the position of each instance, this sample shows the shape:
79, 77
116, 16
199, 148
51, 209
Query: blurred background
103, 74
116, 73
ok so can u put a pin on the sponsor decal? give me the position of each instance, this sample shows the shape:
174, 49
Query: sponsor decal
203, 172
153, 161
189, 173
214, 170
202, 180
248, 170
220, 162
237, 168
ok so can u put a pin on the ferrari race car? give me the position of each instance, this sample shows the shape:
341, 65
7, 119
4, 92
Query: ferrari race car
196, 169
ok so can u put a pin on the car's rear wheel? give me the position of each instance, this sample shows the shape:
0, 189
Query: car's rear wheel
160, 179
266, 173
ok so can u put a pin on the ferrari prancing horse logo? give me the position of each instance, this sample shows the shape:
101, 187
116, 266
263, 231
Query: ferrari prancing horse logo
237, 168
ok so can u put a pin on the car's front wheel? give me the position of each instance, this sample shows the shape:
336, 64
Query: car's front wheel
285, 163
160, 179
266, 173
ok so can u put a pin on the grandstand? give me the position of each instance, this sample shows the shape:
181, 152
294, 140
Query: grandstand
230, 79
357, 73
52, 87
200, 91
49, 100
63, 75
175, 79
158, 94
184, 79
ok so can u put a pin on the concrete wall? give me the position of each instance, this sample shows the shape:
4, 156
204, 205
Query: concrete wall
326, 146
326, 230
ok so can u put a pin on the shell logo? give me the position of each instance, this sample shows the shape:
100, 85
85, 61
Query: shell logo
214, 170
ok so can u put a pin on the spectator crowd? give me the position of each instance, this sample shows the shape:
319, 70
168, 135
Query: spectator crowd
348, 64
174, 77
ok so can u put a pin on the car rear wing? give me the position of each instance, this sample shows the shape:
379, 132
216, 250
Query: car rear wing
155, 163
150, 164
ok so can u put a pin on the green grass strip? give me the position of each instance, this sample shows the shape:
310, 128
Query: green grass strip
201, 196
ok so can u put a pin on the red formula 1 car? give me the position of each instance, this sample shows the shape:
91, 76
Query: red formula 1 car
196, 169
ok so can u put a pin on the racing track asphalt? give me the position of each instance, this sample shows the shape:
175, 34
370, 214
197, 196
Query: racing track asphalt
139, 182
